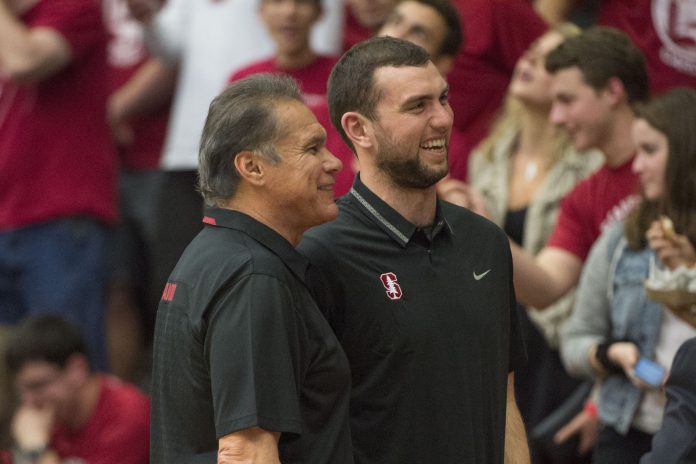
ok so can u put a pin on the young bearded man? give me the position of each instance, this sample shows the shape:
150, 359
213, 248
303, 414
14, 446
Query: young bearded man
418, 291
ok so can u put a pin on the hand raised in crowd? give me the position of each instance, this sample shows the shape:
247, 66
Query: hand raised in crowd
121, 130
671, 248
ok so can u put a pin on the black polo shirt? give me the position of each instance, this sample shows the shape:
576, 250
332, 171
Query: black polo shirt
239, 343
429, 324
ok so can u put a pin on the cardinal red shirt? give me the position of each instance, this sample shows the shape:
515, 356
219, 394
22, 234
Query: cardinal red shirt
56, 157
126, 54
594, 203
117, 433
497, 33
666, 32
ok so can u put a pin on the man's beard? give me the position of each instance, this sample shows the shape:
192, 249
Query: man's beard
406, 171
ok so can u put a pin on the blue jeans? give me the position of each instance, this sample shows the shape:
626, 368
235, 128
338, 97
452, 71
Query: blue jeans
60, 267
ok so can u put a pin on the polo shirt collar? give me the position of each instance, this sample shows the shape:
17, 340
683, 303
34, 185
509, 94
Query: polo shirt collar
388, 219
231, 219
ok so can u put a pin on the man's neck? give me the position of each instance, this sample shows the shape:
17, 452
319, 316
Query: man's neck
417, 205
618, 148
265, 214
86, 404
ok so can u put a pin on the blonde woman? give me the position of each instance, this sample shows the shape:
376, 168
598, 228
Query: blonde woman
522, 170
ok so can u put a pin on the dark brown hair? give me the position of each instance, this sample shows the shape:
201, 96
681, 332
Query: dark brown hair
601, 53
674, 115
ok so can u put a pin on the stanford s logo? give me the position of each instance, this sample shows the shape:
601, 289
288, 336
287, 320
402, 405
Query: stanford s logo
393, 289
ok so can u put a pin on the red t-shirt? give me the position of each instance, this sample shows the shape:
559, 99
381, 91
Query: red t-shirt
117, 433
126, 52
497, 33
596, 202
56, 157
664, 30
312, 78
353, 31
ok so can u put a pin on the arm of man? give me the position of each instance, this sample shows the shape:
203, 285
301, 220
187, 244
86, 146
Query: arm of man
542, 279
146, 92
30, 54
249, 446
555, 11
516, 448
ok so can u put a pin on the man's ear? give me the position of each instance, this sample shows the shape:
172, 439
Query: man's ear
616, 91
358, 129
250, 167
77, 367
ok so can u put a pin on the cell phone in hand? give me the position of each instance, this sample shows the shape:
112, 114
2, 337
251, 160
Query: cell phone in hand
649, 372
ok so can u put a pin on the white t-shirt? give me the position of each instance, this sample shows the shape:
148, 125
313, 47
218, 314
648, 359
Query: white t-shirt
210, 39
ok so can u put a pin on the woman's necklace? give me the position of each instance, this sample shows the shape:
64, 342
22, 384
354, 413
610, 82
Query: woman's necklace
531, 169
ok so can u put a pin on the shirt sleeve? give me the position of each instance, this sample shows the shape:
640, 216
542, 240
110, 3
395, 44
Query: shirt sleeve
571, 231
252, 345
590, 322
79, 22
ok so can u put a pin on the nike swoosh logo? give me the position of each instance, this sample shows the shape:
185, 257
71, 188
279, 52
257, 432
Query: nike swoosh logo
481, 276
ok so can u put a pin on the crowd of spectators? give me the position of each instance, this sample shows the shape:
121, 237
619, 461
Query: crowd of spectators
102, 104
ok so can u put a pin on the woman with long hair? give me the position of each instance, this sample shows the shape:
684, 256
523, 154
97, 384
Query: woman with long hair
616, 334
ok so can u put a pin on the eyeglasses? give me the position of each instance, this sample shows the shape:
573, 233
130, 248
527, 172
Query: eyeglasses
37, 385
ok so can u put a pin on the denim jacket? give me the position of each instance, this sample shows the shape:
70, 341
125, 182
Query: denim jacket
611, 305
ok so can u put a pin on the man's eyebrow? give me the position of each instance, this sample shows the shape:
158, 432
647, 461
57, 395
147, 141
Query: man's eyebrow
420, 29
319, 138
415, 99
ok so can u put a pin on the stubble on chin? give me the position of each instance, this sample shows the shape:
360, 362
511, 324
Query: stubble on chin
410, 172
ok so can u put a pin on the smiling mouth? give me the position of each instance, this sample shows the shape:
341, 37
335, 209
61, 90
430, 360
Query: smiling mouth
326, 188
435, 145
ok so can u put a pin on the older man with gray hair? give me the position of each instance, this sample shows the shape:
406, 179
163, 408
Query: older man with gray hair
245, 366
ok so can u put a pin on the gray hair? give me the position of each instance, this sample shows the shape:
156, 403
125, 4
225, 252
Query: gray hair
241, 118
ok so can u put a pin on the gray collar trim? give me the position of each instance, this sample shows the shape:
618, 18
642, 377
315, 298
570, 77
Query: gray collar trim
379, 217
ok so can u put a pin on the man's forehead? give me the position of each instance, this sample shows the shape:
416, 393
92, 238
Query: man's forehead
298, 124
402, 80
568, 78
36, 368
